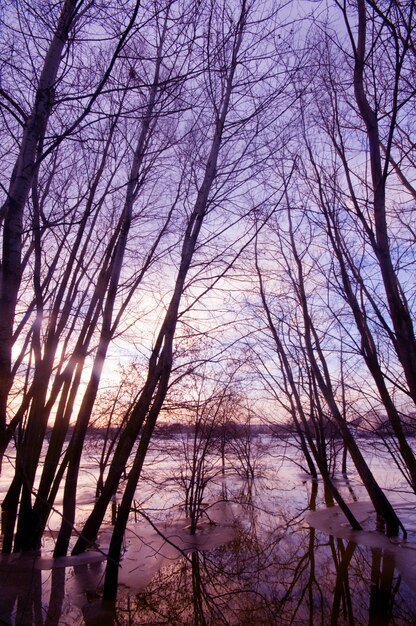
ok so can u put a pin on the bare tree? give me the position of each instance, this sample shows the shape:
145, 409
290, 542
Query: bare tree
313, 335
198, 445
83, 281
359, 201
32, 149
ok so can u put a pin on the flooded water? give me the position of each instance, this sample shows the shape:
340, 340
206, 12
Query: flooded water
267, 551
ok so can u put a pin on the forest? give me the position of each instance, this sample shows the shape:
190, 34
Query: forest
207, 219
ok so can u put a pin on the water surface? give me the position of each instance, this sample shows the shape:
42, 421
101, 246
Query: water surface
262, 554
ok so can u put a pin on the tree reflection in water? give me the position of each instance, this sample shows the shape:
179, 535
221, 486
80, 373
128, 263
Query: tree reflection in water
206, 591
24, 605
288, 575
276, 571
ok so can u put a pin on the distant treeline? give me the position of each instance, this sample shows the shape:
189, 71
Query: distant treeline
170, 429
236, 430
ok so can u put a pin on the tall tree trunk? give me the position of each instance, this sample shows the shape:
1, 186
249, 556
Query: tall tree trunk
316, 358
320, 460
167, 333
18, 192
405, 342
